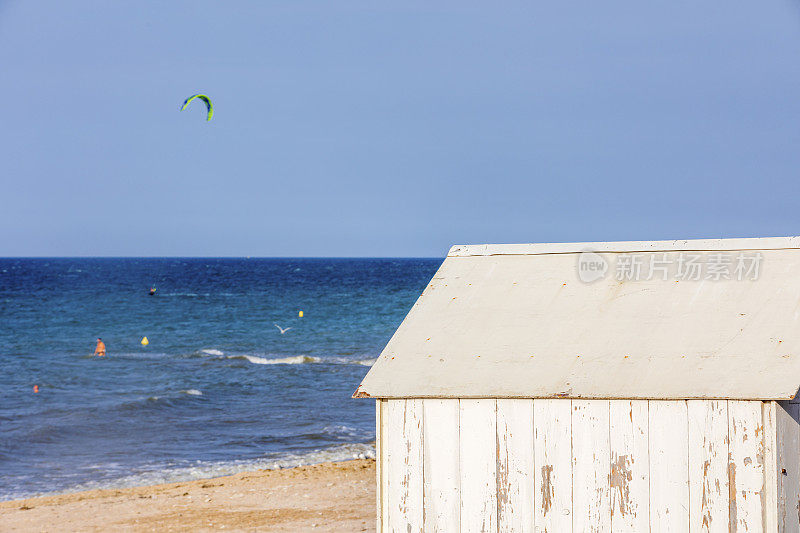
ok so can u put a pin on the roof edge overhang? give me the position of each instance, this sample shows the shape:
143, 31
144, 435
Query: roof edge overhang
359, 394
755, 243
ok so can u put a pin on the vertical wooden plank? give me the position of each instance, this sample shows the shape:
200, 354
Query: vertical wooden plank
708, 465
745, 465
515, 466
768, 414
442, 484
378, 459
630, 466
404, 469
478, 465
552, 473
669, 464
383, 459
788, 456
591, 466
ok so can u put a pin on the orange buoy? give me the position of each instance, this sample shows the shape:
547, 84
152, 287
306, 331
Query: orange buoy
300, 314
36, 388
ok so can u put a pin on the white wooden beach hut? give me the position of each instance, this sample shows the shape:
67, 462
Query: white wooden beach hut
623, 386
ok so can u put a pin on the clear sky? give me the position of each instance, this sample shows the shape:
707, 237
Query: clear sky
393, 128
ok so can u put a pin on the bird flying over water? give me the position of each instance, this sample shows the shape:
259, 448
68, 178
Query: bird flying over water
282, 330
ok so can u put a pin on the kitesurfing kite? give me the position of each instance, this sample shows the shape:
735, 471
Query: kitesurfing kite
204, 98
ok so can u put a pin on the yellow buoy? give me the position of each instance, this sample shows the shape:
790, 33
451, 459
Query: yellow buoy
300, 314
145, 342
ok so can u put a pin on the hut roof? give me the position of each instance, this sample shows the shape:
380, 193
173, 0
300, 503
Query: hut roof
652, 319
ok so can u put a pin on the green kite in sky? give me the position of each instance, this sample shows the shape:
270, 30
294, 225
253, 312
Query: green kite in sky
204, 98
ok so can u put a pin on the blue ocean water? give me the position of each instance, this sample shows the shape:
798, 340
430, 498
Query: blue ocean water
218, 390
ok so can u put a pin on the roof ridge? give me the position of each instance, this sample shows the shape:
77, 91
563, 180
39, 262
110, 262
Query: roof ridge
737, 244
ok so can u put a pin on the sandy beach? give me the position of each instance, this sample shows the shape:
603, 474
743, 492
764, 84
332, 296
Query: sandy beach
324, 497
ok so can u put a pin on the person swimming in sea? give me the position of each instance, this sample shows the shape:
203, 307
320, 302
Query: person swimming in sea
152, 291
100, 350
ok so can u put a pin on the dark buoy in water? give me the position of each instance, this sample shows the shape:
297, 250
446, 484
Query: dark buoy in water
152, 291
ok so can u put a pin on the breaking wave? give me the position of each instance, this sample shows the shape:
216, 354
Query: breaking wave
295, 360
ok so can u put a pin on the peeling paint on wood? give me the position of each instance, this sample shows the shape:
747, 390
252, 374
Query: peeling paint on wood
478, 465
746, 477
621, 477
379, 465
591, 468
515, 466
708, 465
733, 519
552, 466
588, 465
630, 490
384, 458
669, 486
405, 468
547, 491
788, 466
769, 414
442, 496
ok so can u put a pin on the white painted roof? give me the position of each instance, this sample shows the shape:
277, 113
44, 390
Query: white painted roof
516, 321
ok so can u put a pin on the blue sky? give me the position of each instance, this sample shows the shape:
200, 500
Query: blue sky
393, 128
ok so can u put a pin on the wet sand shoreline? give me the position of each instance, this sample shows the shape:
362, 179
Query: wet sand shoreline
324, 497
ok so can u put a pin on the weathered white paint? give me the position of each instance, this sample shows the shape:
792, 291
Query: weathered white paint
516, 322
442, 471
552, 470
746, 465
478, 465
788, 467
708, 465
669, 467
591, 466
405, 466
379, 486
382, 429
630, 466
515, 466
563, 465
770, 500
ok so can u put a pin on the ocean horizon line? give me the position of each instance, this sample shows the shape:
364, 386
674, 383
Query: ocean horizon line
321, 257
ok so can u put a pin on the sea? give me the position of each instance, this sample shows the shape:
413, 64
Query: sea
218, 389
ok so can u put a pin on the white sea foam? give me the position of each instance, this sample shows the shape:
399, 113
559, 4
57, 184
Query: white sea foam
295, 360
188, 471
211, 351
192, 392
349, 361
342, 432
